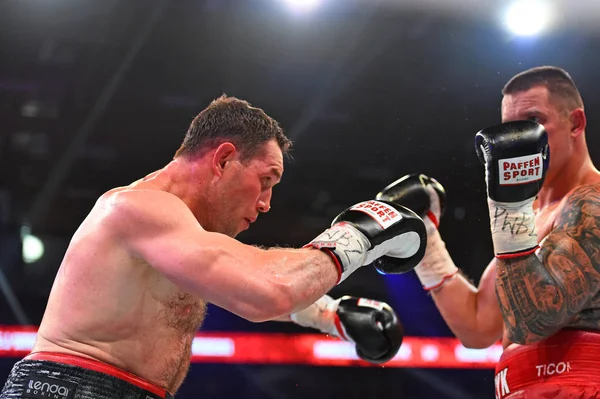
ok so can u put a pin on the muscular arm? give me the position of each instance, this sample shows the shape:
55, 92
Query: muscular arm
538, 298
253, 283
471, 313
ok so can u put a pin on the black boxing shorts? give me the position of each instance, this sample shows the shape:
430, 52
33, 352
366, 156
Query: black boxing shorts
45, 375
566, 365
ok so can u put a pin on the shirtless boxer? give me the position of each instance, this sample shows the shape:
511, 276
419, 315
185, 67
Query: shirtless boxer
546, 308
133, 285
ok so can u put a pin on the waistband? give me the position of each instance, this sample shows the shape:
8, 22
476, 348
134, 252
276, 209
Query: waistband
568, 357
95, 365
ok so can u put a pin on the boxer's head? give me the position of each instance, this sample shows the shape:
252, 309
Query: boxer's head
549, 96
240, 149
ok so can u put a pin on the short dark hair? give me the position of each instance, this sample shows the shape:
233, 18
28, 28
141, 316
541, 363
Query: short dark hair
234, 120
559, 83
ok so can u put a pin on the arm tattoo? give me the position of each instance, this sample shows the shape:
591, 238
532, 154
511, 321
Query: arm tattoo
538, 298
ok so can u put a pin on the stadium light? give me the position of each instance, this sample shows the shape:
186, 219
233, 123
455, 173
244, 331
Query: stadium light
32, 246
303, 5
528, 17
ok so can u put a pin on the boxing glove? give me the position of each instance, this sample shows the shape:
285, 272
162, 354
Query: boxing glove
371, 325
420, 193
368, 230
427, 197
516, 156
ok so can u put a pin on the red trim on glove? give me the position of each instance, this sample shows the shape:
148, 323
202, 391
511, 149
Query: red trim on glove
435, 220
518, 254
446, 278
339, 327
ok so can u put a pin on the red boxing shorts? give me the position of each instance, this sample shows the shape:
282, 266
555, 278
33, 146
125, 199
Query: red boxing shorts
45, 375
566, 365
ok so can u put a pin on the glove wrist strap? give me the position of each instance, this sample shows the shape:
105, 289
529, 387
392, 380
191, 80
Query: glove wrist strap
346, 244
513, 228
437, 266
320, 315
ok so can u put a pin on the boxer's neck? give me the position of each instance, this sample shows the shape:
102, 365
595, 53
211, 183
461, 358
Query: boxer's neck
578, 171
186, 179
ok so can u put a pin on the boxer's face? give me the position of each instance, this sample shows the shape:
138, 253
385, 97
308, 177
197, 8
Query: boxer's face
246, 188
536, 104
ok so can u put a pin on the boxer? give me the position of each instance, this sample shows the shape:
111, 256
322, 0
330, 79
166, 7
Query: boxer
132, 288
541, 292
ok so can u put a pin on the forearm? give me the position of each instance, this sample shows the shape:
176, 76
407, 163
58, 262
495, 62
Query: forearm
457, 302
284, 318
455, 297
532, 301
469, 312
301, 275
262, 285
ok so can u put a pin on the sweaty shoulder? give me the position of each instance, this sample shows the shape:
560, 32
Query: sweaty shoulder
580, 214
129, 211
585, 196
584, 188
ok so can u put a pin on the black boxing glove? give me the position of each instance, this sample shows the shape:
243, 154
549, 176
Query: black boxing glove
427, 197
368, 230
373, 326
420, 193
516, 157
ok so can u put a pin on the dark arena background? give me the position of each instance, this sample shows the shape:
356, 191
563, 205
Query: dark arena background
95, 94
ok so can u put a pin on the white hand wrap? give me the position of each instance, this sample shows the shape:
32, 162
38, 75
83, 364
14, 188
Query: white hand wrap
320, 315
513, 228
437, 265
432, 221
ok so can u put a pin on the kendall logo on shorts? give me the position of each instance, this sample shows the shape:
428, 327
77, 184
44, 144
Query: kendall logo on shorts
383, 214
520, 170
49, 388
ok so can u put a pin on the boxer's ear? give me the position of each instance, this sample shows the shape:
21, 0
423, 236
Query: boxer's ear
578, 122
223, 155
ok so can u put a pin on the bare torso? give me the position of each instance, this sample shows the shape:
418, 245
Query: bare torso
108, 305
545, 222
